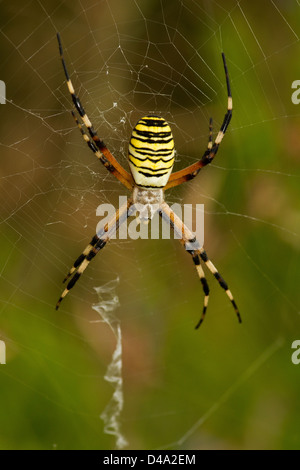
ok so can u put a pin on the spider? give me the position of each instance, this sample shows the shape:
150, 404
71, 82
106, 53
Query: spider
151, 158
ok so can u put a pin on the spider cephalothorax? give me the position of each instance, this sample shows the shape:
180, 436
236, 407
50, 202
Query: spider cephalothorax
151, 158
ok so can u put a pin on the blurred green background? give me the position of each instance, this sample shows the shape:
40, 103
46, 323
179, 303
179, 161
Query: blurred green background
225, 385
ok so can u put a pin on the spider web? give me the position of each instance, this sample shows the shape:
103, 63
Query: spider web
225, 385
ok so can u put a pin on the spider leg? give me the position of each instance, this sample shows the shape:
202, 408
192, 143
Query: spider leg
99, 155
83, 256
191, 171
96, 244
95, 143
205, 287
186, 238
193, 247
223, 284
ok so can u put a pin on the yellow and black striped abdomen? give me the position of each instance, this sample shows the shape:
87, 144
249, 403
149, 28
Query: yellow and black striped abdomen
151, 152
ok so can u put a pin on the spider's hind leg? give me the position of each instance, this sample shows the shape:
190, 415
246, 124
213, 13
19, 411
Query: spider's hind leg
191, 245
97, 243
223, 284
81, 264
83, 255
205, 287
198, 254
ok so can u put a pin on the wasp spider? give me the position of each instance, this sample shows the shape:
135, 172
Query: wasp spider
151, 159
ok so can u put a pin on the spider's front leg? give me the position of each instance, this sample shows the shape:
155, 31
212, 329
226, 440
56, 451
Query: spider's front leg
191, 171
198, 253
92, 139
97, 243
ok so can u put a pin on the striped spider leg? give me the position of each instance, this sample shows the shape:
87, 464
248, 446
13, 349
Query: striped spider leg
198, 254
94, 142
191, 171
96, 244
